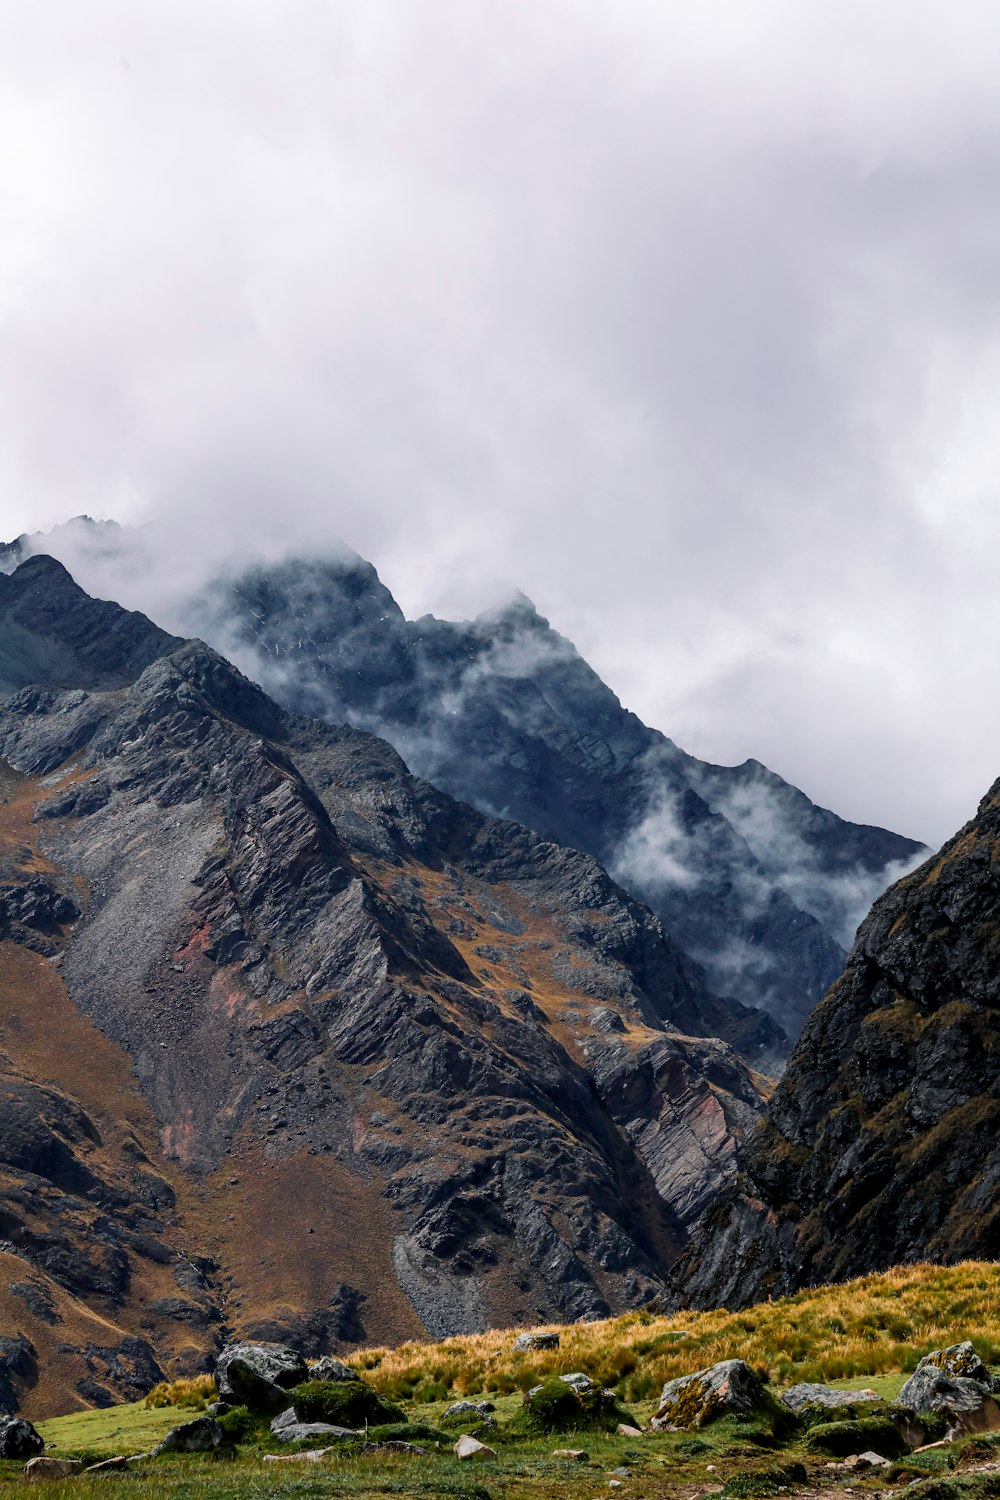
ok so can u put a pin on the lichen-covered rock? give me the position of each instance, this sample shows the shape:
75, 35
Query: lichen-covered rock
198, 1436
958, 1359
695, 1400
569, 1404
19, 1439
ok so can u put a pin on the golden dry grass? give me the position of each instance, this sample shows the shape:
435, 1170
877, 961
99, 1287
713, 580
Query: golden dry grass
868, 1327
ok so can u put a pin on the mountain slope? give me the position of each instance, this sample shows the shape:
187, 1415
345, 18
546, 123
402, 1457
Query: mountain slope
399, 1066
881, 1141
761, 889
758, 886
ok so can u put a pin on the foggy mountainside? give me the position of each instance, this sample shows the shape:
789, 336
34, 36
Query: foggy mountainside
880, 1144
760, 889
295, 1045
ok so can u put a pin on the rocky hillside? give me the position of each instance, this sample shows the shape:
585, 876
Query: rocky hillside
294, 1044
881, 1141
761, 889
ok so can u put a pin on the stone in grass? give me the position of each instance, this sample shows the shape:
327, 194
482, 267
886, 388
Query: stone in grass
465, 1408
800, 1397
298, 1432
578, 1455
730, 1387
198, 1436
967, 1403
329, 1368
257, 1376
120, 1464
38, 1469
309, 1456
572, 1404
875, 1460
470, 1447
536, 1341
625, 1430
18, 1439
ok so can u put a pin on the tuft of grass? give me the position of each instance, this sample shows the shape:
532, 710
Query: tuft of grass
858, 1332
196, 1392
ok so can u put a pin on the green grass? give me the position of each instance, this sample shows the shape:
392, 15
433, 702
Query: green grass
870, 1333
117, 1429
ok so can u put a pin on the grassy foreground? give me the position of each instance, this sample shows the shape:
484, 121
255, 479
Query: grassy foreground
869, 1332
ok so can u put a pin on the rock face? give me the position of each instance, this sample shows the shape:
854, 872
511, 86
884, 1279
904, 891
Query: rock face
761, 889
378, 1048
881, 1141
695, 1400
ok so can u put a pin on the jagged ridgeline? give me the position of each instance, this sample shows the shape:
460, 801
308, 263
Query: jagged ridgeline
294, 1045
882, 1141
760, 889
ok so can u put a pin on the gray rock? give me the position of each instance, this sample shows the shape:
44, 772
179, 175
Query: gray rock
461, 1408
18, 1439
536, 1341
259, 1375
969, 1403
329, 1368
197, 1436
694, 1400
875, 1460
798, 1397
580, 1382
286, 1418
294, 1432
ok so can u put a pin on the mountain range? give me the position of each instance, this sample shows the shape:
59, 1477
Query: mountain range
760, 889
299, 1044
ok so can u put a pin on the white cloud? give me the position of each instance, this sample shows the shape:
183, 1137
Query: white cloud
683, 319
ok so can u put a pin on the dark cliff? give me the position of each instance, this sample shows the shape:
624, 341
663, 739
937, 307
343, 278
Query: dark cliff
881, 1141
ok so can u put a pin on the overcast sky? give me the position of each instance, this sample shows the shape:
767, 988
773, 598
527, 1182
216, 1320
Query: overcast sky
683, 318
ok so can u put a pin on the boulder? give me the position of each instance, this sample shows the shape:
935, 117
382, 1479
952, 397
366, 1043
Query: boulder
197, 1436
579, 1382
258, 1375
578, 1455
18, 1439
41, 1468
798, 1397
694, 1400
329, 1368
295, 1432
626, 1430
968, 1403
466, 1408
536, 1341
286, 1418
958, 1359
470, 1447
